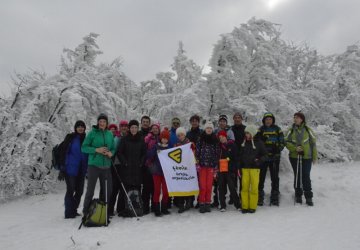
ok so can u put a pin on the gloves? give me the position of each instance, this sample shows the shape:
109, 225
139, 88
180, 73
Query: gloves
300, 150
61, 176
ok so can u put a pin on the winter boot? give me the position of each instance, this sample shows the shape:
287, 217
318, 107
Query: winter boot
261, 198
157, 211
309, 202
181, 209
251, 211
202, 208
164, 209
207, 208
298, 199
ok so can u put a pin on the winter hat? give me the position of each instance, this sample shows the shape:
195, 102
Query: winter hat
132, 123
180, 130
112, 126
156, 125
252, 130
223, 117
123, 123
103, 116
238, 114
268, 114
165, 134
175, 120
79, 124
195, 117
301, 115
209, 124
222, 133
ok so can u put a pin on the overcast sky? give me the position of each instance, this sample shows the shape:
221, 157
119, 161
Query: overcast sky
145, 33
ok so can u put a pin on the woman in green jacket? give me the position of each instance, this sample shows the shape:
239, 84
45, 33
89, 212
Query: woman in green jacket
99, 145
301, 143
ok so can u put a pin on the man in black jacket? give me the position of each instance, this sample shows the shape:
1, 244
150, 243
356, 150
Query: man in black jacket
147, 189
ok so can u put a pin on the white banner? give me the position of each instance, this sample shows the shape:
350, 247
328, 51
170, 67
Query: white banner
179, 169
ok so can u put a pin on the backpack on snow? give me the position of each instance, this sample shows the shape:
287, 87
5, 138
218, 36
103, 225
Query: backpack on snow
136, 202
96, 215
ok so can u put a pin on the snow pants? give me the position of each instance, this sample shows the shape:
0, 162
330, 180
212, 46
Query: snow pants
250, 188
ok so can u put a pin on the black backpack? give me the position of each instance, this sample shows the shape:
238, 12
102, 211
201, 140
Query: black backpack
55, 161
136, 202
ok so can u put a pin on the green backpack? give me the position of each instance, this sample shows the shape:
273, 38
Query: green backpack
97, 214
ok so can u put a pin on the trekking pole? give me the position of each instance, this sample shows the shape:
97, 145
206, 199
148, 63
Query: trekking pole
301, 166
296, 176
127, 196
106, 202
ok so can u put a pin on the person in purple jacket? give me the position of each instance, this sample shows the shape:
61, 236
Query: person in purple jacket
73, 169
207, 155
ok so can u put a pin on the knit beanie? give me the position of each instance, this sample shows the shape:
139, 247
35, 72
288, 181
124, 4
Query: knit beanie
222, 133
133, 122
112, 126
165, 134
155, 125
123, 123
268, 114
79, 124
223, 117
252, 130
238, 114
209, 124
180, 130
103, 116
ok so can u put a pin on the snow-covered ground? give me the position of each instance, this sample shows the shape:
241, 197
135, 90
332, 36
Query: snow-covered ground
333, 223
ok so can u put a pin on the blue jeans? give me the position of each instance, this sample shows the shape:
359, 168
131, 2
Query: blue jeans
305, 188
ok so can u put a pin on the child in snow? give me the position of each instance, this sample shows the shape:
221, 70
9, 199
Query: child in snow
184, 203
207, 155
252, 155
228, 168
158, 175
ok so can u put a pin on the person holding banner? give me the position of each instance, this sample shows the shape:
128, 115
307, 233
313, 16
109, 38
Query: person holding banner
185, 202
228, 168
207, 154
158, 174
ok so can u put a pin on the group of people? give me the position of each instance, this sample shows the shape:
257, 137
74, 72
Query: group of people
230, 159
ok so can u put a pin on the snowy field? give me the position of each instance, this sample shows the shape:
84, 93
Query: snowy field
333, 223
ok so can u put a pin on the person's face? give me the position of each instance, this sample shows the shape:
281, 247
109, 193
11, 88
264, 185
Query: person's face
145, 123
222, 124
102, 124
134, 129
80, 130
208, 131
268, 121
194, 123
237, 120
181, 137
164, 141
176, 124
297, 120
113, 130
223, 139
155, 130
124, 129
248, 136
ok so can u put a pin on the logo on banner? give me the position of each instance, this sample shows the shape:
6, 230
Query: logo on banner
176, 155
